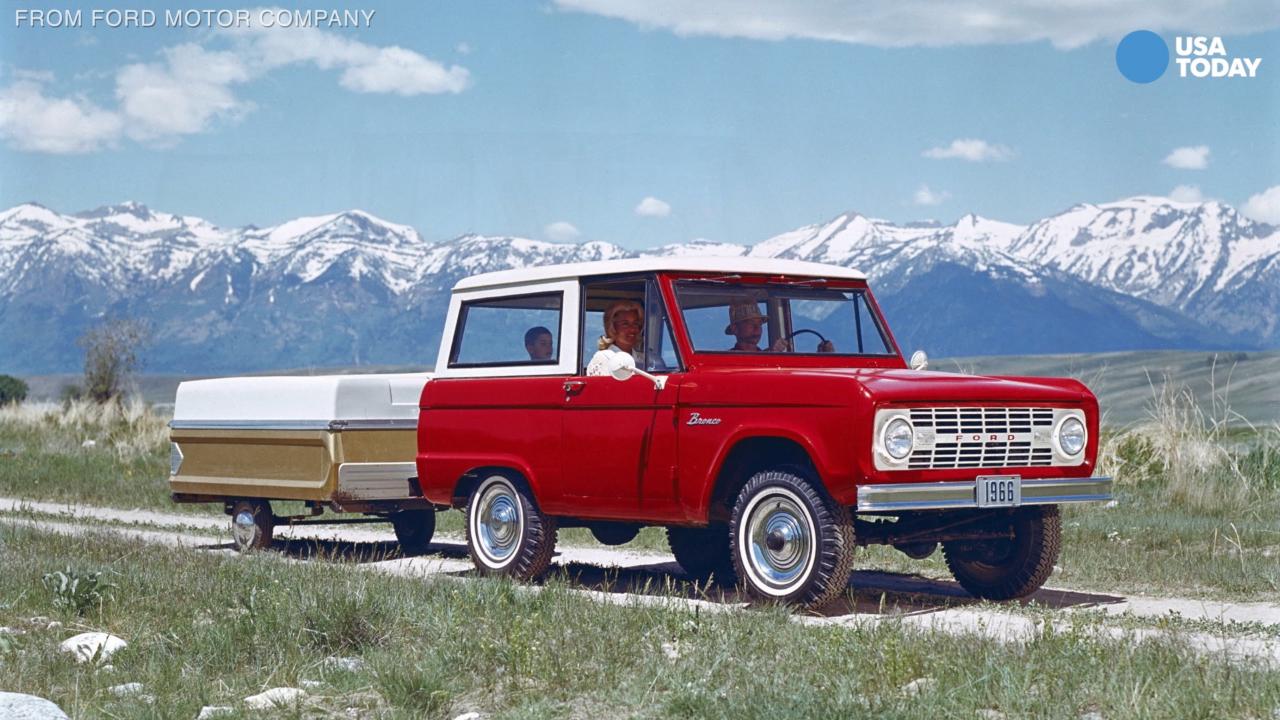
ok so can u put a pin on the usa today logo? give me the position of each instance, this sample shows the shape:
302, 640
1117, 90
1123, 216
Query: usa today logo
1142, 56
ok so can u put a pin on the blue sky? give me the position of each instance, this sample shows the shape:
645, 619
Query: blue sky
557, 119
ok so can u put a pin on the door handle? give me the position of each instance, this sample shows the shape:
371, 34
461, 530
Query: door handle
573, 387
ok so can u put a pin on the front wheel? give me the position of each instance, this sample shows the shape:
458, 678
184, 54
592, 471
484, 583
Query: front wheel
506, 532
1013, 568
790, 542
414, 529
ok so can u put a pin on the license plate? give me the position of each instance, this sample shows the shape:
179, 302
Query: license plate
999, 491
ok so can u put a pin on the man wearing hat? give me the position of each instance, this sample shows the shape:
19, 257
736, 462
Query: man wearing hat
746, 323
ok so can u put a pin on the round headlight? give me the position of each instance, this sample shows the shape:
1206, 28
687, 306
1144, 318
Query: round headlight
1071, 436
897, 438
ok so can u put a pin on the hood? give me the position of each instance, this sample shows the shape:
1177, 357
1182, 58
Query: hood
843, 386
930, 386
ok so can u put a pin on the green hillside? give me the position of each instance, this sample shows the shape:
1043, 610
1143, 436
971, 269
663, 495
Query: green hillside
1235, 385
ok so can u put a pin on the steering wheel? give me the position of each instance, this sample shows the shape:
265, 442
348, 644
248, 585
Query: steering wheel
803, 331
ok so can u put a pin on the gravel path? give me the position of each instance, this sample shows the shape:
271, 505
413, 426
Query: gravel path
627, 578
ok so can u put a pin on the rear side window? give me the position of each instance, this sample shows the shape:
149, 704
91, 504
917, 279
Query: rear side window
519, 330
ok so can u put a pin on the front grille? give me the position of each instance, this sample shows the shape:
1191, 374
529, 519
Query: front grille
981, 437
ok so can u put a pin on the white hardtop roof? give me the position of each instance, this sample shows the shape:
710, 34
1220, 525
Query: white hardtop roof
728, 265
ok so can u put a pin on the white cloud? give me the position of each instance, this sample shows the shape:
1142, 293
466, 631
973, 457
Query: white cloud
191, 87
31, 121
1186, 193
653, 207
561, 232
925, 196
1265, 206
366, 68
462, 48
181, 95
1189, 158
906, 23
970, 149
404, 72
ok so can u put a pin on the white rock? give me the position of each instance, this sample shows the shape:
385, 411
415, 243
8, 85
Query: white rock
311, 684
208, 712
93, 646
275, 697
126, 689
469, 716
108, 668
350, 664
1112, 504
671, 650
53, 625
16, 706
1092, 715
89, 444
990, 714
38, 621
919, 685
11, 631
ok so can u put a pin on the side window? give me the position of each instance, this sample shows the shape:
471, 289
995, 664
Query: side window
634, 302
871, 339
521, 330
660, 343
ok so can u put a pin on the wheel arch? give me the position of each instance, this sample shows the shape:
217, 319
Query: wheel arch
745, 456
467, 482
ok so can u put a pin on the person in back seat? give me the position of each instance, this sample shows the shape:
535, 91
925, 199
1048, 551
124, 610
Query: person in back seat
538, 343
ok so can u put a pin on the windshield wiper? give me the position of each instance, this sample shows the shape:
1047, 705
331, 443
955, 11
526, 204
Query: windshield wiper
810, 281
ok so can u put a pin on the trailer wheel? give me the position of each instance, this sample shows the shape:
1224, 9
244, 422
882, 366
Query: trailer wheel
414, 529
1008, 569
507, 534
791, 543
251, 525
703, 552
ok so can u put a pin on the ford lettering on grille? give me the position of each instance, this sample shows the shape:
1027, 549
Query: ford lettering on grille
981, 437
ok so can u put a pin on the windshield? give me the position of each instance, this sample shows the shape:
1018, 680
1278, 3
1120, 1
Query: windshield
781, 318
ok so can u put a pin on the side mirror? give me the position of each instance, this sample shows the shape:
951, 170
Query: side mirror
622, 366
919, 360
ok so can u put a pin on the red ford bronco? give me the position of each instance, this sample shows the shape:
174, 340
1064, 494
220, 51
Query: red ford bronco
759, 409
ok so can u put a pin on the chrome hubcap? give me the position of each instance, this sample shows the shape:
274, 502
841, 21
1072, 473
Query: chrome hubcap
498, 523
780, 541
243, 528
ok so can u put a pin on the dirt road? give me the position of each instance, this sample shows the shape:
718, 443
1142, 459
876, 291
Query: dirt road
1248, 632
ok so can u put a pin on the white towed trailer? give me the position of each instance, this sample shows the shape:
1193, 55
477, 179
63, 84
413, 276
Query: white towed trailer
343, 443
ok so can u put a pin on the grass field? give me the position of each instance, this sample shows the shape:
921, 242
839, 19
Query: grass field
212, 629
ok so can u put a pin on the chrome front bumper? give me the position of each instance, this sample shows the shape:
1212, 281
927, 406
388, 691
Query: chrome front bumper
961, 494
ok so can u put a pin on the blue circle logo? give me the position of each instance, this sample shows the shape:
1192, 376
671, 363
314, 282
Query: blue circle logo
1142, 56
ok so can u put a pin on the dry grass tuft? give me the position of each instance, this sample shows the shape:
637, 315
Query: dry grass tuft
1203, 454
129, 429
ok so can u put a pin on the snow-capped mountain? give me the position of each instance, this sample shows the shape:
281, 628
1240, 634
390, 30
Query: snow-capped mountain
351, 288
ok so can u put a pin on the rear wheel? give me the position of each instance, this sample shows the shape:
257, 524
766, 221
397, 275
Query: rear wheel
414, 529
791, 543
703, 552
251, 525
506, 532
1014, 568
